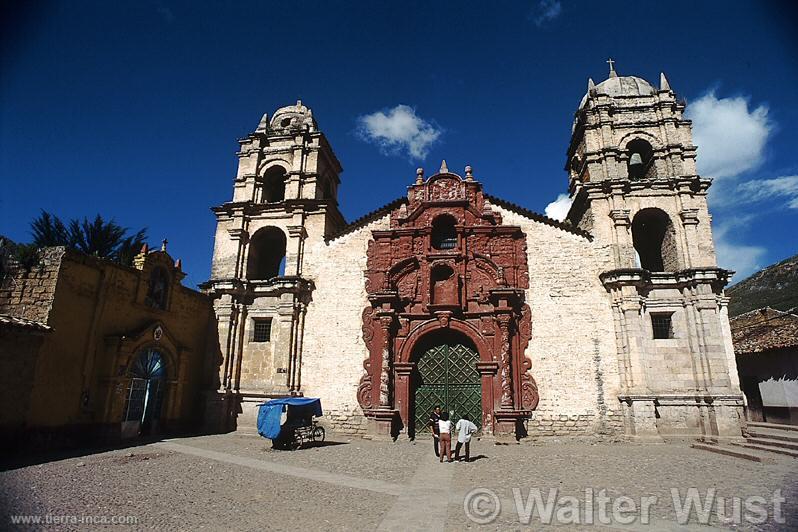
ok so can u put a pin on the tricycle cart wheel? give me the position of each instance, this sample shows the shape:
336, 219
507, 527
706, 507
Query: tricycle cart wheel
296, 442
318, 434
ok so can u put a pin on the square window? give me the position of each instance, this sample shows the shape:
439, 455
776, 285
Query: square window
662, 326
262, 330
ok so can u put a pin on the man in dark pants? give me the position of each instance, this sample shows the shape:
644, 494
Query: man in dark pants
465, 429
434, 417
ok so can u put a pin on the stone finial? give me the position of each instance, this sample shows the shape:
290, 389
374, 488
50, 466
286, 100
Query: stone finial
163, 244
179, 264
663, 82
469, 174
591, 86
420, 176
263, 125
145, 249
444, 169
611, 62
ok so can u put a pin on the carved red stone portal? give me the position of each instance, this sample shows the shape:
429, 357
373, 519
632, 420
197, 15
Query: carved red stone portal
470, 279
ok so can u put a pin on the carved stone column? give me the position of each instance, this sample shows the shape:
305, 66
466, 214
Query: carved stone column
404, 371
505, 364
386, 322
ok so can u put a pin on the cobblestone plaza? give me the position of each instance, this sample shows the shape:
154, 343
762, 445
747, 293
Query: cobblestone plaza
237, 481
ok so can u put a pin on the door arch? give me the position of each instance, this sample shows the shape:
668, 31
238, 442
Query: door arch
446, 374
146, 390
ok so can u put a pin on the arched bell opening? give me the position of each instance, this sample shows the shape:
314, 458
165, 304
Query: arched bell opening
272, 185
445, 374
641, 160
654, 240
266, 254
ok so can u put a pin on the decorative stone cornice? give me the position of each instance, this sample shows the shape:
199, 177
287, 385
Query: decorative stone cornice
237, 233
257, 288
689, 216
615, 279
297, 231
620, 217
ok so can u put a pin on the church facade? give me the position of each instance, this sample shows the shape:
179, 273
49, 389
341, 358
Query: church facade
612, 322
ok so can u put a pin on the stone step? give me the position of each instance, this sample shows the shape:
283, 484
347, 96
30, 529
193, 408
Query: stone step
778, 426
745, 454
773, 442
774, 434
769, 448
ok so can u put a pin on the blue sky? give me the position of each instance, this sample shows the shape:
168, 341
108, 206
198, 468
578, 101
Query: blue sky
132, 109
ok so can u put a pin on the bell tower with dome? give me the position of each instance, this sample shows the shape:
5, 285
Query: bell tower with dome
634, 187
284, 202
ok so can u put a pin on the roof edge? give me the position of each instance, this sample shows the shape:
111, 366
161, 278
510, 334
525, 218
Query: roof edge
367, 219
510, 206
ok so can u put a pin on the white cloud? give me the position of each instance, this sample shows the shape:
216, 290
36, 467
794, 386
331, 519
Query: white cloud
547, 10
730, 138
741, 258
558, 209
399, 130
770, 189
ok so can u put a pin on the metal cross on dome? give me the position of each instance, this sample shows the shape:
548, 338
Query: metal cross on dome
611, 62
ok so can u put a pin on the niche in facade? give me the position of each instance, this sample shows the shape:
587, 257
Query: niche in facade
158, 288
266, 254
654, 239
444, 286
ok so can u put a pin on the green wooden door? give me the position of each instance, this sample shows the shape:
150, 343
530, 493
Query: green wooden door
447, 376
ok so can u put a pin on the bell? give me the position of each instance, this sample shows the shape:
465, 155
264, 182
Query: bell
635, 166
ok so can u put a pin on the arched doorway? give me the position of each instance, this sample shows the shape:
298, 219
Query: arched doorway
146, 390
446, 375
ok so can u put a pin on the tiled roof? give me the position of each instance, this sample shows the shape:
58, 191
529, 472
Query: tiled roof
764, 329
23, 323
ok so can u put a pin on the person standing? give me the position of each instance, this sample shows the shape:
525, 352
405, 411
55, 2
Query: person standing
465, 429
445, 428
434, 417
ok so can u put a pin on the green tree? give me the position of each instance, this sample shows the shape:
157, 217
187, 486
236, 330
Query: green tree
49, 230
100, 238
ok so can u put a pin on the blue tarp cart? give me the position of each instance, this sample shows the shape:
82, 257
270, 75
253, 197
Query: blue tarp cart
289, 422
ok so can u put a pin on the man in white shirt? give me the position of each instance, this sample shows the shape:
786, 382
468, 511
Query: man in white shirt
465, 428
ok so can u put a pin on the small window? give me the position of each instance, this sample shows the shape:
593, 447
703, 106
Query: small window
262, 330
662, 326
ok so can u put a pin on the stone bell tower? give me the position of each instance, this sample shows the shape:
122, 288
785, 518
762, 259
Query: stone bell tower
633, 181
284, 201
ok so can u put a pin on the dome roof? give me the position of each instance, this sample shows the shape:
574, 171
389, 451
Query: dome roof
289, 118
616, 86
626, 86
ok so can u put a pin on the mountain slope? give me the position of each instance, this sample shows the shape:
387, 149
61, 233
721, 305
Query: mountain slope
775, 286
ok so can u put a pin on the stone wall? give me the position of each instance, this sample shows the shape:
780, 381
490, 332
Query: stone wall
572, 349
19, 351
100, 322
334, 350
30, 294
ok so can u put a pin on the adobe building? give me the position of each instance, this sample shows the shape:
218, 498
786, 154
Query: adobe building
766, 345
91, 350
613, 322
